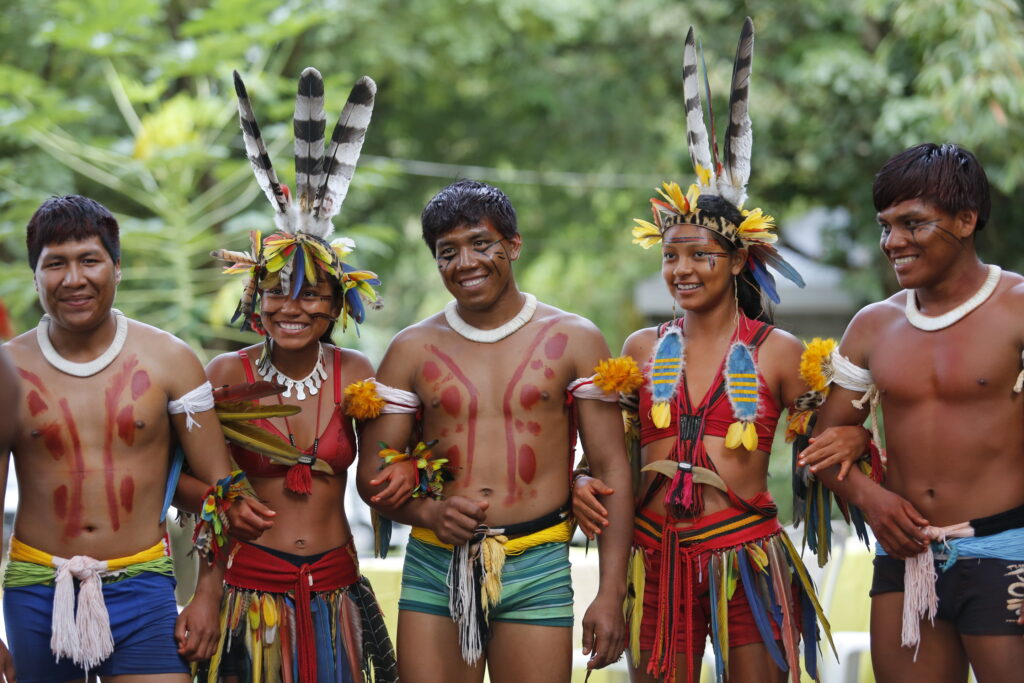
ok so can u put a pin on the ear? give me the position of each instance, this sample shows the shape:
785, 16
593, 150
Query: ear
515, 246
737, 261
117, 272
966, 223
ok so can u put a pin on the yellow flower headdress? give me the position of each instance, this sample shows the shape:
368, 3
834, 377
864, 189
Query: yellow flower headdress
299, 253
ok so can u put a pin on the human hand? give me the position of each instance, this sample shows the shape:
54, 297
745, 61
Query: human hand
456, 519
591, 516
6, 665
841, 446
248, 518
197, 629
401, 478
604, 631
897, 525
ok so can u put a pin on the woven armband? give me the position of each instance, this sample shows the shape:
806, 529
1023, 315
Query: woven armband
212, 528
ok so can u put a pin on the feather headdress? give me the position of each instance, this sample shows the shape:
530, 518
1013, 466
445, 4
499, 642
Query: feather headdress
715, 201
299, 252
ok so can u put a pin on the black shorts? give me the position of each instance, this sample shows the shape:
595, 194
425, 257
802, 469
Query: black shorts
980, 597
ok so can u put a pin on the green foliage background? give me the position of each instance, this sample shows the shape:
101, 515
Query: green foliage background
572, 106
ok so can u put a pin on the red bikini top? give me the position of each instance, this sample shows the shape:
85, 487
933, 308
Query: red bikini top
336, 446
717, 411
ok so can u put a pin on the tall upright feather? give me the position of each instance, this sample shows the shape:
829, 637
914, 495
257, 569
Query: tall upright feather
343, 153
711, 113
696, 132
256, 151
309, 126
739, 136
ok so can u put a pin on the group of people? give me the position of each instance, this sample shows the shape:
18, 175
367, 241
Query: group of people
467, 432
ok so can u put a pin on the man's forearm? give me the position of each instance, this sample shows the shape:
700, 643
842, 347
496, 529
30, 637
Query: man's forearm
615, 541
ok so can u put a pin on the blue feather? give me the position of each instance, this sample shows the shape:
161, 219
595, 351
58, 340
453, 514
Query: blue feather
757, 609
355, 305
773, 599
810, 627
713, 588
172, 480
763, 278
769, 255
667, 365
298, 270
741, 362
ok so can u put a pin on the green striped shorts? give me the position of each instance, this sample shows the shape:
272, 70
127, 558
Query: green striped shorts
536, 586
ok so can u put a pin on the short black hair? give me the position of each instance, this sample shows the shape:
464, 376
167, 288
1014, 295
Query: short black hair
467, 202
947, 175
68, 219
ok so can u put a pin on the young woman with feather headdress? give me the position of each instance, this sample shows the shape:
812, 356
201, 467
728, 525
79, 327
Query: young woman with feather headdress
295, 607
710, 557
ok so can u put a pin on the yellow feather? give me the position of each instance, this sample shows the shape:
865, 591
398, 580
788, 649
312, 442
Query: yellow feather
661, 414
750, 437
734, 437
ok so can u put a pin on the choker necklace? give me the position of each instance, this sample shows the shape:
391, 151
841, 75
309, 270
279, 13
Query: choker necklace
82, 369
310, 382
471, 333
938, 322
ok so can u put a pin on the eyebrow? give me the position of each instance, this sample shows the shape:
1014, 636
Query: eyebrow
473, 234
685, 240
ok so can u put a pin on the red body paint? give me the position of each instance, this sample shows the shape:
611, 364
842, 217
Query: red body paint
127, 493
36, 404
74, 518
60, 501
527, 464
506, 404
520, 425
126, 425
52, 439
451, 401
454, 457
533, 427
33, 379
471, 407
529, 396
549, 373
535, 365
430, 371
112, 399
140, 382
554, 348
459, 428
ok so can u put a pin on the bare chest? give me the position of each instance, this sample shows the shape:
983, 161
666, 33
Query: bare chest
948, 365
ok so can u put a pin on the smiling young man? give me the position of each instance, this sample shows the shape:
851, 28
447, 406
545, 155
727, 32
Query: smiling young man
945, 357
489, 375
103, 399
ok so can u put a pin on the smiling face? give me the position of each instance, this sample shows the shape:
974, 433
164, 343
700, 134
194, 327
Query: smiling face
922, 242
697, 269
296, 323
475, 262
76, 282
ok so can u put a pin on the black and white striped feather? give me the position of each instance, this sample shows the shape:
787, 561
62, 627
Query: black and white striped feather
343, 153
739, 136
378, 656
696, 131
256, 151
309, 125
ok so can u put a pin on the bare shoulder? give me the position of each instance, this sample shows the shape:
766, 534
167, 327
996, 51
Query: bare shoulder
1014, 293
227, 368
569, 323
640, 344
158, 343
355, 365
426, 331
782, 344
22, 347
171, 362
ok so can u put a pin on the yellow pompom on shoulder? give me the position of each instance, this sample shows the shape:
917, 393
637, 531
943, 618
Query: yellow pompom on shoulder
816, 363
619, 375
362, 401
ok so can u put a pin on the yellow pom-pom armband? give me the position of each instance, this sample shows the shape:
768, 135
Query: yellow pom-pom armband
362, 401
619, 375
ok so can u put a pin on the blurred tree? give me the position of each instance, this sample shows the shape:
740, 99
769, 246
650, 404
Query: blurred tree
574, 108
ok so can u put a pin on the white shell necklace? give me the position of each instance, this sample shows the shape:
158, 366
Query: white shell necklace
310, 382
451, 314
938, 322
82, 369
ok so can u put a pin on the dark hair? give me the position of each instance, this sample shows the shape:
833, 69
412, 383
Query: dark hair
69, 219
467, 202
947, 176
752, 301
